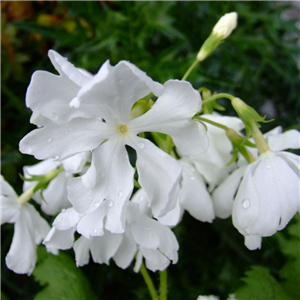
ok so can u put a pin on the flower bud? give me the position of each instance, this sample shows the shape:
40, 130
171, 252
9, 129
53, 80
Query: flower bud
225, 25
220, 32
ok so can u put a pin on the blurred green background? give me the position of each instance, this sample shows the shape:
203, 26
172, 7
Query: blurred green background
257, 63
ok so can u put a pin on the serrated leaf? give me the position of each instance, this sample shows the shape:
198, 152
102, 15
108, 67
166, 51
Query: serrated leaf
260, 285
62, 279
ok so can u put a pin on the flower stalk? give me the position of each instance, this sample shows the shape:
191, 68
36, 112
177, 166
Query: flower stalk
149, 282
44, 181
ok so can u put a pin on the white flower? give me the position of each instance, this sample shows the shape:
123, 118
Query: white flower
55, 194
268, 196
99, 121
29, 230
226, 25
209, 297
144, 236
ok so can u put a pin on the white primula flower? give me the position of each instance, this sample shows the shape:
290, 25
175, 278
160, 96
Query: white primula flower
99, 121
54, 197
143, 236
268, 196
262, 204
29, 230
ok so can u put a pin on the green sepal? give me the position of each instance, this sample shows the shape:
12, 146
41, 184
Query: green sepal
164, 141
248, 115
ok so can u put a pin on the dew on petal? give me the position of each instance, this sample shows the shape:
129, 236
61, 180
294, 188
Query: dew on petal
141, 198
268, 167
120, 194
63, 210
49, 140
141, 145
95, 230
246, 203
110, 203
56, 157
192, 178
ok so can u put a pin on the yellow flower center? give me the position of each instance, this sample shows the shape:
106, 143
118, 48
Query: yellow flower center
123, 128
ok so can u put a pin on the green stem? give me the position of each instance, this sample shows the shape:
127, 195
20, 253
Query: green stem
259, 139
163, 284
191, 68
218, 96
212, 123
149, 282
27, 195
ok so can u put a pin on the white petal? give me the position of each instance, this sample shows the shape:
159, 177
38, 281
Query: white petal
146, 232
173, 217
59, 239
92, 223
159, 174
10, 207
113, 97
103, 248
82, 251
67, 219
287, 140
38, 119
40, 226
141, 198
189, 136
138, 262
126, 251
76, 163
269, 207
155, 261
50, 94
114, 183
66, 69
194, 196
223, 195
64, 140
21, 257
253, 242
55, 195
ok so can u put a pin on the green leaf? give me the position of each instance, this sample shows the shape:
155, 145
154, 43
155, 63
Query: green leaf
260, 285
62, 279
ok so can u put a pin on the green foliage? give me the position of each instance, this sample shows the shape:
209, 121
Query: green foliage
261, 285
62, 279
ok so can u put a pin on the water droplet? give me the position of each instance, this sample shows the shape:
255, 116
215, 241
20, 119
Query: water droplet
141, 198
125, 156
110, 203
251, 186
66, 132
268, 167
246, 203
95, 230
56, 157
192, 178
49, 140
63, 210
120, 194
96, 204
141, 145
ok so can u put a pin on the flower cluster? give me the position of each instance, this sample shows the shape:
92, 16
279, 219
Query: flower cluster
123, 157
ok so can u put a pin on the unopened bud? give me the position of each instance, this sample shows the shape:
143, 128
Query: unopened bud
226, 25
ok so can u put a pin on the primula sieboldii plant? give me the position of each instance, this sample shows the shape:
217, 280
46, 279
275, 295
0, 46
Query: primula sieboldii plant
123, 157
